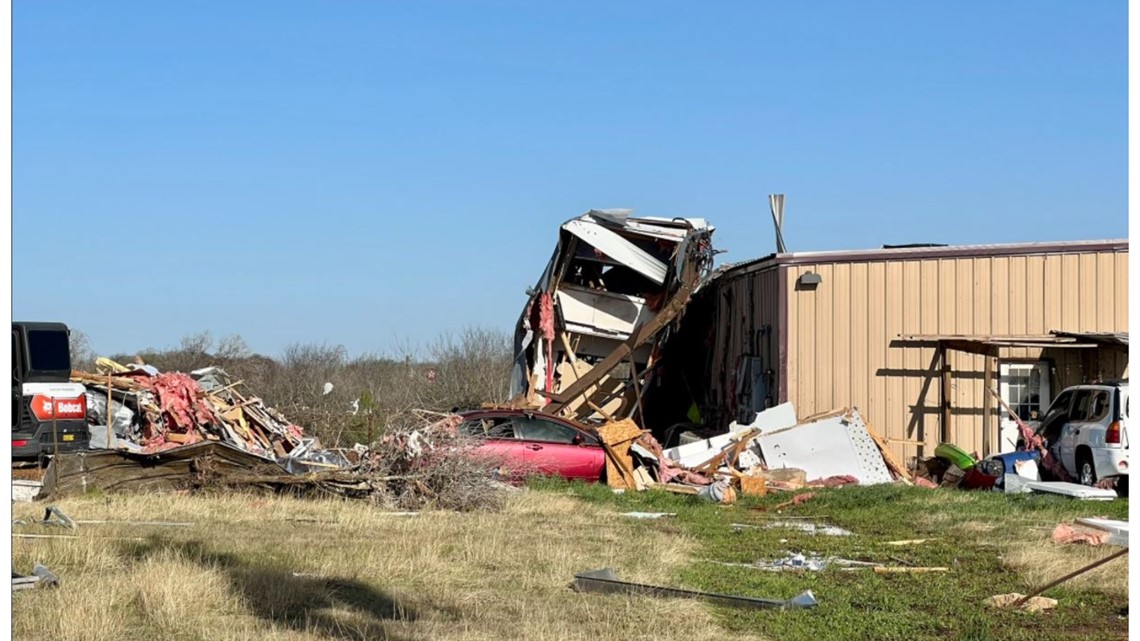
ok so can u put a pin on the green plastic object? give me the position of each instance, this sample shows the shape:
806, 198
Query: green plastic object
955, 455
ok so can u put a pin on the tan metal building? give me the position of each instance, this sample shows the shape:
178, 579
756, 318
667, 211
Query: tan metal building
911, 336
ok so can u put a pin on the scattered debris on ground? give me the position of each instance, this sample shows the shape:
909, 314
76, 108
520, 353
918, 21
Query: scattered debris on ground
1066, 534
1015, 600
810, 528
41, 577
1117, 530
775, 452
200, 431
25, 491
605, 581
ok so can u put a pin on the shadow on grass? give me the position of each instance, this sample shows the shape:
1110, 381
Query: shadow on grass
302, 603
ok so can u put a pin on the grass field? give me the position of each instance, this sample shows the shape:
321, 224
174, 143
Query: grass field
256, 567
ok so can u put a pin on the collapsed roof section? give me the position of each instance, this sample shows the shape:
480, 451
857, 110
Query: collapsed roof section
588, 336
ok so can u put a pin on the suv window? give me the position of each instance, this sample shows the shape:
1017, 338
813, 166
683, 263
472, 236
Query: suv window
1055, 418
1099, 406
1060, 406
536, 429
1081, 404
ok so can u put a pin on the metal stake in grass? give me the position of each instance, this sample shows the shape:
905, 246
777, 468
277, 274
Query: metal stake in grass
1070, 575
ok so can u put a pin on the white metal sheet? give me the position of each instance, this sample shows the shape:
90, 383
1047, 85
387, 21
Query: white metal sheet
1119, 529
1074, 490
25, 491
830, 447
618, 248
774, 418
604, 311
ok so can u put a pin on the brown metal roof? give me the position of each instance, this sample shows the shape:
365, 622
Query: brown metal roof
919, 253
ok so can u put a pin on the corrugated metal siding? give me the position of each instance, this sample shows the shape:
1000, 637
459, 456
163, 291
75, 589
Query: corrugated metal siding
745, 305
840, 333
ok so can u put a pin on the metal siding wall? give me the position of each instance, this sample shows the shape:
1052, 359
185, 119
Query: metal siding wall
840, 334
825, 323
967, 389
731, 340
894, 287
983, 324
878, 394
840, 370
860, 339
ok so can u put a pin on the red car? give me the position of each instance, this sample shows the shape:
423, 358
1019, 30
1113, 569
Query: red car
530, 442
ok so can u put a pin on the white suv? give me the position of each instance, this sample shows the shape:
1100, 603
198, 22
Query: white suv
1087, 429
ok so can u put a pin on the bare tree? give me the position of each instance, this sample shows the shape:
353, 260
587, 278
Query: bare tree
82, 355
368, 392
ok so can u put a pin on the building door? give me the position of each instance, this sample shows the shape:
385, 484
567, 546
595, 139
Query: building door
1025, 389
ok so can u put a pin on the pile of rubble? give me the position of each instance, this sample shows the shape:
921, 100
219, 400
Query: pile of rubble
776, 451
199, 430
1033, 467
592, 330
589, 342
155, 411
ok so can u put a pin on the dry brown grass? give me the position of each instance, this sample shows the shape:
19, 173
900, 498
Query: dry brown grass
1041, 561
256, 567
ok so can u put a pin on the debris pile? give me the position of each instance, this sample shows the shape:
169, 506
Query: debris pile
172, 430
408, 469
153, 412
1027, 470
773, 452
590, 334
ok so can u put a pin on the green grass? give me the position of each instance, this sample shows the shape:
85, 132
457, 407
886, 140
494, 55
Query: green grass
975, 533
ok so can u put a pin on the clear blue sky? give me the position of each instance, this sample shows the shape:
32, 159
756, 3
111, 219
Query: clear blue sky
362, 172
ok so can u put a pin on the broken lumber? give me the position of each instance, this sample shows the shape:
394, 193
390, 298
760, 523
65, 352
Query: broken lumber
896, 468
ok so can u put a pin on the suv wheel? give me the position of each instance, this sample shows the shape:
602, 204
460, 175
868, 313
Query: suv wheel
1086, 471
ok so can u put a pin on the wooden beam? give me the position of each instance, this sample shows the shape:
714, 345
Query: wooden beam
636, 388
566, 346
969, 347
641, 334
893, 464
903, 441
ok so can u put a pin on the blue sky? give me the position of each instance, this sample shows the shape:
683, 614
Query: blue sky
362, 173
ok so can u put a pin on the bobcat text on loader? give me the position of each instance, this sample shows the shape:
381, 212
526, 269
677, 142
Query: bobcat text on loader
49, 412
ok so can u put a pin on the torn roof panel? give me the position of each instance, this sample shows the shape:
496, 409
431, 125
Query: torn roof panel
675, 229
617, 248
